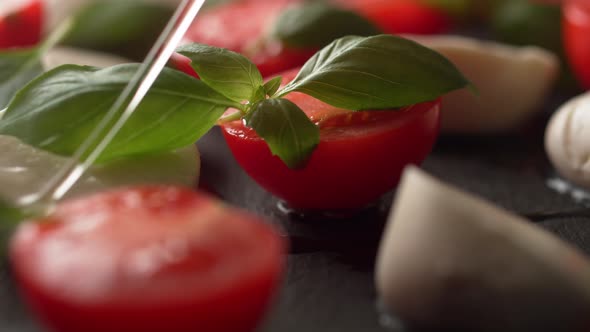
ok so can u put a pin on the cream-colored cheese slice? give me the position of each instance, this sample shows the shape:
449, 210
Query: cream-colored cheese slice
567, 140
512, 83
23, 169
449, 259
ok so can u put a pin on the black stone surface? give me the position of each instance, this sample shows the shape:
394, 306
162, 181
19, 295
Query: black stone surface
329, 284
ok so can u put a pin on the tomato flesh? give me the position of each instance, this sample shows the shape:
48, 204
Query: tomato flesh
360, 157
576, 35
22, 28
148, 259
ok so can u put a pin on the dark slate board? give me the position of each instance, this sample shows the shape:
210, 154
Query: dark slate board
329, 284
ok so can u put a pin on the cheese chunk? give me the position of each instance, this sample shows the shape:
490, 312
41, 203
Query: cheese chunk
511, 82
450, 260
567, 140
24, 169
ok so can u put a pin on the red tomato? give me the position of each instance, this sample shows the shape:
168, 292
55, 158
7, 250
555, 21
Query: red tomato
22, 28
148, 259
402, 16
360, 156
577, 37
242, 26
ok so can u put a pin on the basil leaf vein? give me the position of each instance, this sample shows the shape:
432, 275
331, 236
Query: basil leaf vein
58, 110
378, 72
230, 73
272, 86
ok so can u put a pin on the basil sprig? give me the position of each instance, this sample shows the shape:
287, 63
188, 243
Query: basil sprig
58, 110
228, 72
378, 72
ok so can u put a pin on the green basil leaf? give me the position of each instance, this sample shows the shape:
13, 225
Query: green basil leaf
272, 86
521, 22
318, 24
378, 72
459, 8
57, 111
10, 217
259, 95
228, 72
127, 28
17, 68
289, 133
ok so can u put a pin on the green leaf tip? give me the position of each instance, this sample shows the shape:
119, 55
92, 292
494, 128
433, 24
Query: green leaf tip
287, 130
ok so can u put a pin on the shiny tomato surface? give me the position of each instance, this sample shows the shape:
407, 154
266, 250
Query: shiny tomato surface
577, 37
360, 157
148, 259
22, 27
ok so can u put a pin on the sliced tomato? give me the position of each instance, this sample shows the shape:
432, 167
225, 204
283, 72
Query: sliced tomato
402, 16
23, 27
242, 26
360, 156
576, 29
148, 259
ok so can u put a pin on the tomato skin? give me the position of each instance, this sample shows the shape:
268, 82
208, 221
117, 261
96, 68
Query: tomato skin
576, 30
148, 259
360, 157
22, 28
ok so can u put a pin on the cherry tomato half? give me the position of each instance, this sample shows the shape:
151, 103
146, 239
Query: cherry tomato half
148, 259
360, 156
23, 27
576, 31
242, 26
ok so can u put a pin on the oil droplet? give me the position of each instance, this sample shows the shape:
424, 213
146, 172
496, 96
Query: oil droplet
387, 320
564, 187
327, 214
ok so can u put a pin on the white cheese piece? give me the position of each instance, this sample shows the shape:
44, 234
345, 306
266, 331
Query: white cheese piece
448, 259
511, 82
567, 140
66, 55
23, 169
